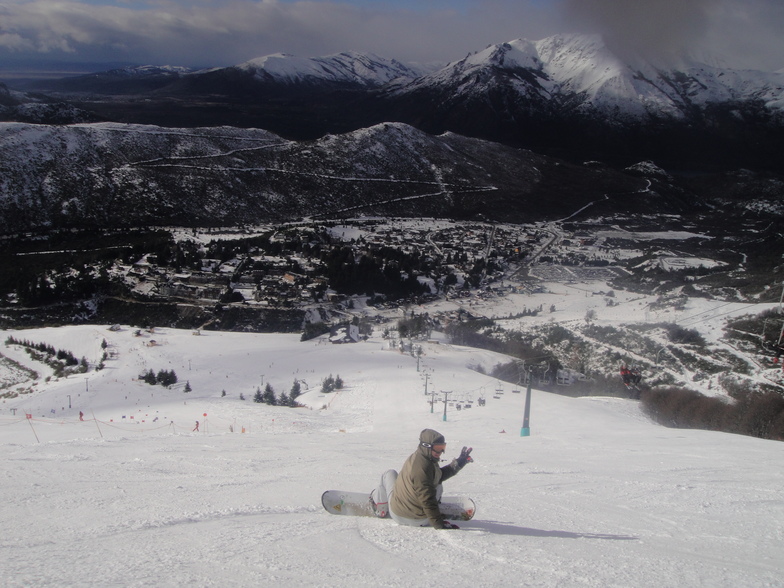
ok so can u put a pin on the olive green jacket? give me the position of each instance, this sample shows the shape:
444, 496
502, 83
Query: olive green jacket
414, 496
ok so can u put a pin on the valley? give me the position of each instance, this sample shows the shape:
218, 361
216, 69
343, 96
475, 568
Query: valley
305, 195
494, 285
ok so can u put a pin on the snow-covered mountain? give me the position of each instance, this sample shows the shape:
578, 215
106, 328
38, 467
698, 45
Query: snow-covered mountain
37, 109
150, 70
567, 95
571, 72
362, 69
118, 175
113, 174
578, 73
119, 81
563, 95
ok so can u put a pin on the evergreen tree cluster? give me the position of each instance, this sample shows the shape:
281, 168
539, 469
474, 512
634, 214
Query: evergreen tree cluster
414, 326
165, 378
68, 265
269, 397
678, 334
331, 384
63, 362
104, 356
527, 312
67, 284
381, 270
313, 330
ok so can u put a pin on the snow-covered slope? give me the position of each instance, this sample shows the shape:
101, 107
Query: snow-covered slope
582, 64
597, 495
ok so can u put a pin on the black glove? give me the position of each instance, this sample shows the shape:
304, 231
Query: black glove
448, 525
465, 457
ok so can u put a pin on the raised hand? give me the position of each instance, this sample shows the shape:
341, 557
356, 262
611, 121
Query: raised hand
465, 456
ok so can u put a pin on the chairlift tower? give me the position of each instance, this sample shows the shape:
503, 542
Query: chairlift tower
525, 430
446, 399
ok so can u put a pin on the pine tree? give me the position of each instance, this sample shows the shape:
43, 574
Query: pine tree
269, 395
166, 378
149, 377
258, 396
296, 390
188, 386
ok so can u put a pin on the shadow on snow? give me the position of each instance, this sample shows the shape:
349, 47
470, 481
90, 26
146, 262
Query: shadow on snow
507, 529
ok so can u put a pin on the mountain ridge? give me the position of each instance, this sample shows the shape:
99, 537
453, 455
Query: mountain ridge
576, 64
112, 174
558, 95
350, 67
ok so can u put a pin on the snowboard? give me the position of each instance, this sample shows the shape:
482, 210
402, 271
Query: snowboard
357, 504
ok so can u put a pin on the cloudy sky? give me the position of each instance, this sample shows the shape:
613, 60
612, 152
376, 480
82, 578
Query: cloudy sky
736, 33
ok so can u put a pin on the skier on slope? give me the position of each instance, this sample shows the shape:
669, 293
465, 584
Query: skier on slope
411, 497
626, 374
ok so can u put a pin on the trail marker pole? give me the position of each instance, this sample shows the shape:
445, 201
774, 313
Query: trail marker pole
95, 420
30, 420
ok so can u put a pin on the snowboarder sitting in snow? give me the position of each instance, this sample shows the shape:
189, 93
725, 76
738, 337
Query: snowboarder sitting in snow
411, 497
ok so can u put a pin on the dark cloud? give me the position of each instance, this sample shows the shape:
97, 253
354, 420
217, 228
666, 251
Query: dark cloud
748, 33
741, 33
651, 28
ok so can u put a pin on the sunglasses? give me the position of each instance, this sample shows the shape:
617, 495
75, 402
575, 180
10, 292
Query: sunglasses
439, 447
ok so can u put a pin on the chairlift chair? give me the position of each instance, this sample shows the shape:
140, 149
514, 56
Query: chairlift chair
563, 378
544, 378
